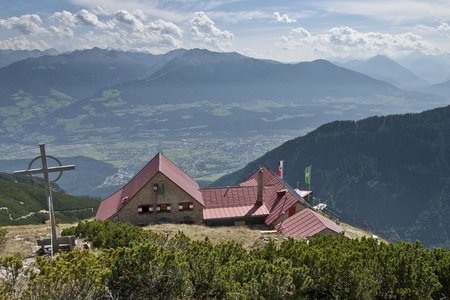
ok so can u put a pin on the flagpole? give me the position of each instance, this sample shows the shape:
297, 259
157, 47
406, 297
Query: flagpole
310, 175
309, 187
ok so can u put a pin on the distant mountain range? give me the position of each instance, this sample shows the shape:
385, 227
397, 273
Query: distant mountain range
386, 69
77, 74
433, 68
9, 56
441, 89
22, 201
391, 174
98, 94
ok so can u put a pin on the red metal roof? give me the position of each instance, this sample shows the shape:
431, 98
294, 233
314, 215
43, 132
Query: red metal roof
112, 204
277, 203
229, 196
109, 206
278, 197
235, 212
231, 202
251, 182
306, 223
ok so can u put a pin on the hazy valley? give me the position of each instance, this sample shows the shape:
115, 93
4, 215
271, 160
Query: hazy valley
97, 103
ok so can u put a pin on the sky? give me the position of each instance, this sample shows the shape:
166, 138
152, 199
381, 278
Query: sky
283, 30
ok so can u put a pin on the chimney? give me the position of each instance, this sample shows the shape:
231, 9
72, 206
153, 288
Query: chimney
260, 188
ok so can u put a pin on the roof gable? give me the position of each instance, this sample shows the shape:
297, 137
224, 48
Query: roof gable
276, 201
162, 164
113, 203
306, 223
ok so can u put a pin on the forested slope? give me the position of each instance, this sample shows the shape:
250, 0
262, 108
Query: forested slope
23, 201
390, 173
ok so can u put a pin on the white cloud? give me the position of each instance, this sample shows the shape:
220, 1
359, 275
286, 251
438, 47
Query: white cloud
146, 33
205, 31
138, 22
283, 18
301, 32
149, 7
88, 18
25, 24
67, 31
147, 41
346, 41
60, 32
125, 17
166, 28
398, 10
443, 27
83, 17
22, 43
65, 18
239, 16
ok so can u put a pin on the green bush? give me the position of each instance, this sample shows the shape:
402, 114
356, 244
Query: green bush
108, 234
2, 236
77, 275
11, 268
146, 271
135, 264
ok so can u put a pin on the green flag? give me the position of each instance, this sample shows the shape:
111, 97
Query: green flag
308, 175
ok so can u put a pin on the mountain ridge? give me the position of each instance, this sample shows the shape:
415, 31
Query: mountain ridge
9, 56
216, 96
386, 69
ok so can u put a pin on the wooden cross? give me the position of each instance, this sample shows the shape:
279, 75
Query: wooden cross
48, 189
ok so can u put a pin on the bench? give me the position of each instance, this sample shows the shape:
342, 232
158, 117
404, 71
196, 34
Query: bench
66, 243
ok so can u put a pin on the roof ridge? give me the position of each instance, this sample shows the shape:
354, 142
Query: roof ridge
159, 160
289, 188
226, 187
319, 217
248, 178
237, 205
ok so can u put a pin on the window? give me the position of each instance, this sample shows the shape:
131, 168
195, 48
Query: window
185, 206
158, 187
145, 208
163, 207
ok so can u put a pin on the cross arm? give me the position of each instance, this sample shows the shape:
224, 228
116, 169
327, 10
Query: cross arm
49, 170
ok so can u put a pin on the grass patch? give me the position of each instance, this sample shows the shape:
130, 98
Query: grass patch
21, 240
247, 237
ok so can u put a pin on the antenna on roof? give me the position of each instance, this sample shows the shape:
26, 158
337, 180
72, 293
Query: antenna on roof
226, 192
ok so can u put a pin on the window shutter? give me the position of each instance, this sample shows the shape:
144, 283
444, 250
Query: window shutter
168, 207
150, 208
158, 207
191, 205
140, 209
180, 207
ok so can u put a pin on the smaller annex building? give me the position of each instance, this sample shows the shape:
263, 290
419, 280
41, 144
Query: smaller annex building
162, 193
